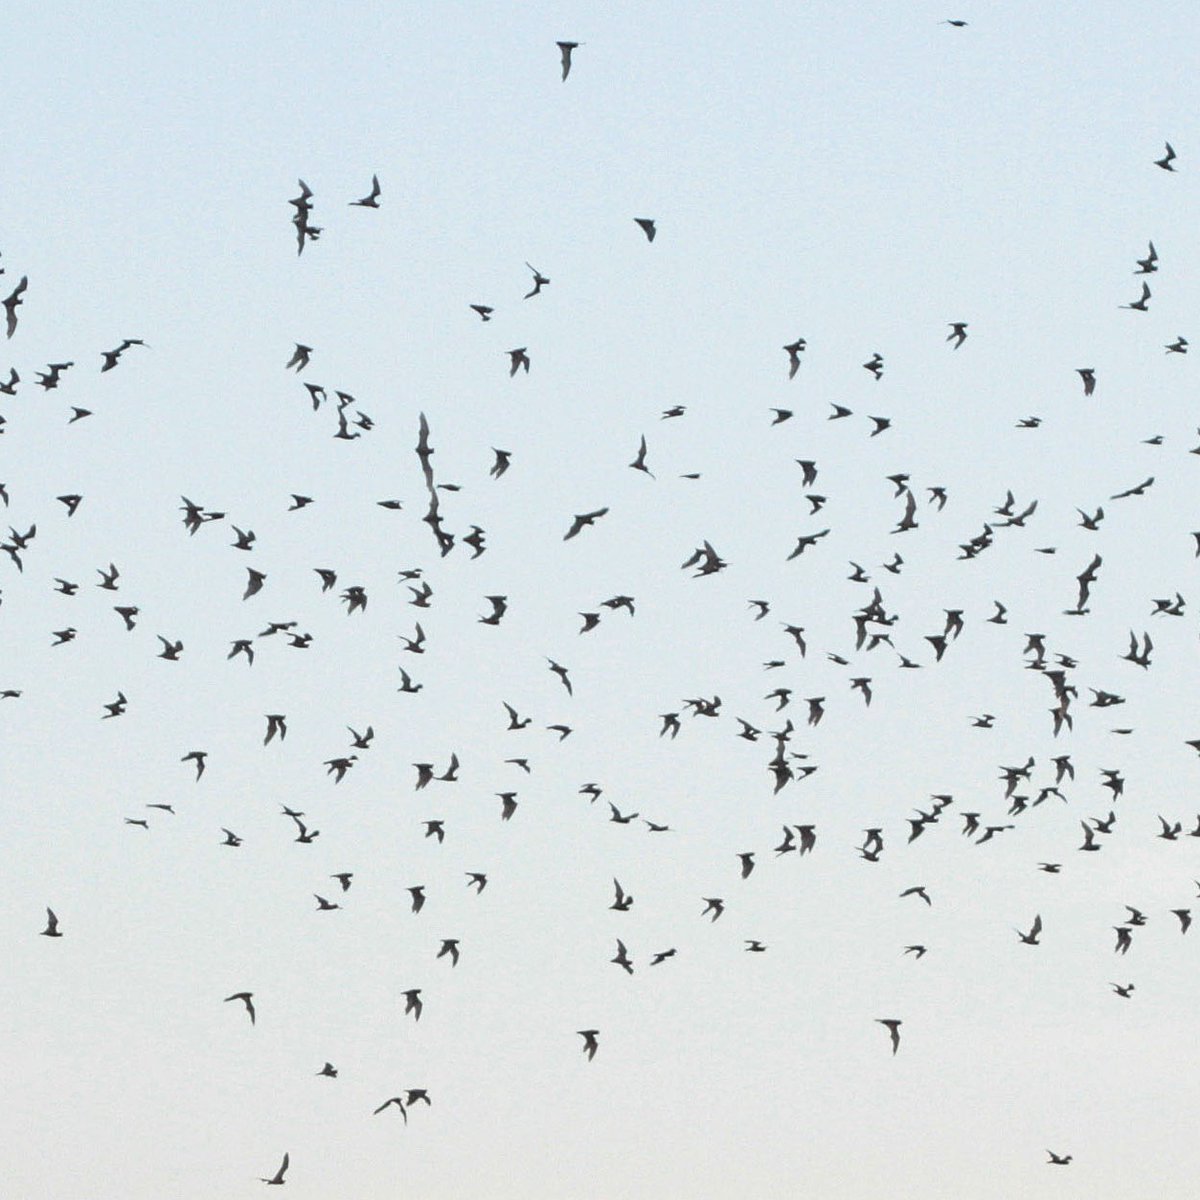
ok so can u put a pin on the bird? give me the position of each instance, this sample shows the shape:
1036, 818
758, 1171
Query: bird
794, 350
449, 947
247, 998
299, 359
12, 302
1031, 938
393, 1101
581, 521
484, 311
622, 958
713, 905
639, 463
647, 227
1058, 1160
1088, 375
369, 201
623, 901
277, 1178
1140, 304
517, 359
52, 929
329, 1071
958, 333
254, 583
565, 49
892, 1025
413, 1004
539, 280
1167, 159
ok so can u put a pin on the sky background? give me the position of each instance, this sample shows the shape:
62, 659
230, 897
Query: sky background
857, 178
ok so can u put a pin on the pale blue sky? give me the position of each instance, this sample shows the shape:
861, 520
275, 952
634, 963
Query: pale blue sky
860, 179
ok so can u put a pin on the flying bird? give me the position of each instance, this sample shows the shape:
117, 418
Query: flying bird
372, 200
247, 998
565, 49
277, 1178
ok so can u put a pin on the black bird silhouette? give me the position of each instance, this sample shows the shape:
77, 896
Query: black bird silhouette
51, 929
647, 227
371, 201
581, 520
247, 998
12, 302
565, 49
277, 1178
517, 359
892, 1025
1088, 375
1140, 305
590, 1042
539, 280
958, 333
112, 357
1167, 159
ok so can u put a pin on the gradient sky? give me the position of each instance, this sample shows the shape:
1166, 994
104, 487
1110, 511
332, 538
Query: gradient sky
857, 178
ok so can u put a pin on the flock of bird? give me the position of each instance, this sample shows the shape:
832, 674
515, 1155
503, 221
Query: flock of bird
880, 646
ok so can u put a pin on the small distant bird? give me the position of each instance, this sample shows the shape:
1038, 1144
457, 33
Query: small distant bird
794, 350
13, 302
958, 333
371, 201
51, 929
247, 998
1088, 375
412, 1003
328, 1070
622, 958
647, 227
565, 49
1140, 305
449, 947
1059, 1160
254, 583
1166, 160
278, 1176
581, 520
917, 891
1178, 346
893, 1027
299, 359
1031, 938
484, 311
713, 905
539, 281
517, 359
590, 1042
623, 901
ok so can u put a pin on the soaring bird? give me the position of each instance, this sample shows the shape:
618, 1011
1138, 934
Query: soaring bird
1088, 375
581, 520
1031, 938
893, 1027
412, 1003
247, 998
647, 227
958, 333
13, 301
1167, 159
565, 49
277, 1178
590, 1042
51, 929
371, 201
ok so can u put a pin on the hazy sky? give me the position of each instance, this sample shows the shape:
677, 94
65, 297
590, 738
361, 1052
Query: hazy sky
858, 178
